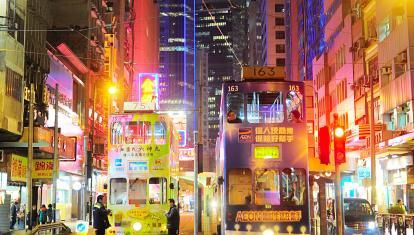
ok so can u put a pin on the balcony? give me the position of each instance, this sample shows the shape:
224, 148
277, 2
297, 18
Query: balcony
397, 92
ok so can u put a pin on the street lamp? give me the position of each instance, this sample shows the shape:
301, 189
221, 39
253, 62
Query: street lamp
112, 90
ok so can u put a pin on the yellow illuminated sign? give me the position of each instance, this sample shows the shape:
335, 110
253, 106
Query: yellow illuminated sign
268, 216
266, 152
138, 213
273, 134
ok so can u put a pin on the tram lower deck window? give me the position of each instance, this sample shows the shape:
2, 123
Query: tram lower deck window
240, 186
157, 190
294, 186
118, 193
267, 190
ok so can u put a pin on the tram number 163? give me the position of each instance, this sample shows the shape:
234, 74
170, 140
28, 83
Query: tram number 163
233, 88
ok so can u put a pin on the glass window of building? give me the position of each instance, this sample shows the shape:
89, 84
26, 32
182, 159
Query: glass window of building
280, 34
279, 8
265, 107
293, 186
118, 189
137, 191
280, 48
240, 187
280, 62
157, 190
267, 191
279, 21
235, 108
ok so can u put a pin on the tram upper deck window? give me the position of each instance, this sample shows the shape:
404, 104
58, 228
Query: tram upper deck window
293, 186
160, 133
118, 192
265, 107
294, 102
240, 187
137, 193
235, 108
138, 132
117, 134
157, 190
267, 191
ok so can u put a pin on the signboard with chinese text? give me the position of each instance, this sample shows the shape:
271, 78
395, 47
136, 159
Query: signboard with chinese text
18, 168
186, 154
42, 169
273, 134
148, 88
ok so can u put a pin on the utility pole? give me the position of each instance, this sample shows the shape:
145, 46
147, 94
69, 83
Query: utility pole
30, 157
372, 145
90, 164
55, 152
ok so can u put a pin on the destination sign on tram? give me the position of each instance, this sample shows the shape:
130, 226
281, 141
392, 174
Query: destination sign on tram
265, 72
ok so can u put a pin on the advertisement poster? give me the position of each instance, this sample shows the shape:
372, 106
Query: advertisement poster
42, 169
18, 168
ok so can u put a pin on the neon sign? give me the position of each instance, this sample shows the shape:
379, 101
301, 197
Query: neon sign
148, 88
268, 216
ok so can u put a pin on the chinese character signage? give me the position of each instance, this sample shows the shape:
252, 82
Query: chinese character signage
42, 169
273, 134
148, 88
18, 168
181, 138
268, 216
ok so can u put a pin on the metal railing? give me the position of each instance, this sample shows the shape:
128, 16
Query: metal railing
53, 228
395, 224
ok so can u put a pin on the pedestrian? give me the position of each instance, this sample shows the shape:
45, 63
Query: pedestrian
20, 217
400, 207
13, 214
49, 213
100, 216
33, 213
43, 214
173, 218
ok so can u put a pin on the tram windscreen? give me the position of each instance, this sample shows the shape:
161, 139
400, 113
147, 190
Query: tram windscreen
138, 132
267, 190
137, 193
265, 107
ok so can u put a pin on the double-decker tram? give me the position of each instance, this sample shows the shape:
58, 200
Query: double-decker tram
143, 160
262, 160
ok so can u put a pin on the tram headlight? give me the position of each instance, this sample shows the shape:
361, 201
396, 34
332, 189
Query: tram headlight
268, 232
372, 225
137, 226
214, 204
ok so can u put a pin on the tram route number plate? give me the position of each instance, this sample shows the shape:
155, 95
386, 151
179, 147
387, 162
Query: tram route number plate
264, 72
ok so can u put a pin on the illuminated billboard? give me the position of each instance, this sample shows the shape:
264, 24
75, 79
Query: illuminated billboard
148, 88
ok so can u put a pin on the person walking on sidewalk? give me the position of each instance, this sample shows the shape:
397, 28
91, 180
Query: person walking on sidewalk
43, 214
173, 218
100, 216
49, 213
13, 214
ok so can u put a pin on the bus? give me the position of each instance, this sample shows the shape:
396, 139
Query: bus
143, 160
262, 164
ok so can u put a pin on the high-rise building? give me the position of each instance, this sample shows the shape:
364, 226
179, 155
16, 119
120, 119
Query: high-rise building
273, 31
222, 31
254, 54
177, 60
304, 36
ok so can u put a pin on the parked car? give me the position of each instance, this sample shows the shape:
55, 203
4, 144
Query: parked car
359, 217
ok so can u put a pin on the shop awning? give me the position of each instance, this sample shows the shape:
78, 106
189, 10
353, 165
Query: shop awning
398, 145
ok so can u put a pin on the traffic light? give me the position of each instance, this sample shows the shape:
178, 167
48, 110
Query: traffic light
339, 145
324, 143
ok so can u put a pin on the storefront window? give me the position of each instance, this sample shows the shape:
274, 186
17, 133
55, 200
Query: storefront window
160, 134
157, 190
240, 187
137, 191
293, 186
267, 191
265, 107
138, 132
118, 193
